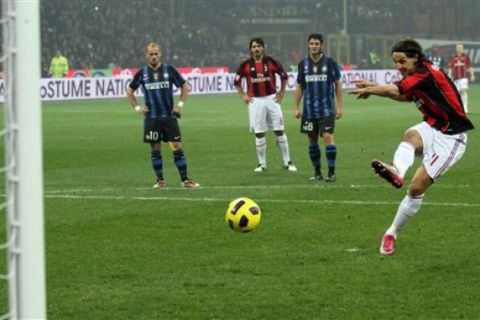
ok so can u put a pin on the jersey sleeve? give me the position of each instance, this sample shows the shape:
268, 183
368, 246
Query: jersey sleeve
301, 74
451, 62
335, 71
280, 70
406, 85
239, 75
177, 78
136, 81
468, 62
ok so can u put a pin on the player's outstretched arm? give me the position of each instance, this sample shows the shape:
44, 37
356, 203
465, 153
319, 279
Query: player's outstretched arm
384, 90
364, 83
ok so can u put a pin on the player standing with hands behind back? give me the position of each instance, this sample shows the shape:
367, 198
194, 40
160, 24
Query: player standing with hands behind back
263, 101
440, 138
459, 66
318, 81
160, 113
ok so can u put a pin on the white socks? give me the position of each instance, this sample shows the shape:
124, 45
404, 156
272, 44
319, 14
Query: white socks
464, 97
406, 210
404, 157
261, 145
282, 143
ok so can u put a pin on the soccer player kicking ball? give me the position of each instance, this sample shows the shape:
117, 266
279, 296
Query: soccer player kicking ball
440, 138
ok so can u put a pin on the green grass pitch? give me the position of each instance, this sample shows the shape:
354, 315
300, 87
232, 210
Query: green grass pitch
116, 249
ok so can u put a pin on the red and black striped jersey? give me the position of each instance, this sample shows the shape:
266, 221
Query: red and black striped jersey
459, 65
260, 76
437, 98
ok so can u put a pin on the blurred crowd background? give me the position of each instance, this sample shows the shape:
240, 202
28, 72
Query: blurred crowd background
108, 33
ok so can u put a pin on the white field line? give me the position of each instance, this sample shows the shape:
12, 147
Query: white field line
203, 199
100, 194
263, 187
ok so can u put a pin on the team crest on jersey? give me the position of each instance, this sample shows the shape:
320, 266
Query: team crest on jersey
165, 75
324, 69
252, 69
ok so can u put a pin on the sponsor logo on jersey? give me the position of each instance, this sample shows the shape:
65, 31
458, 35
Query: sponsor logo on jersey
157, 85
257, 80
316, 78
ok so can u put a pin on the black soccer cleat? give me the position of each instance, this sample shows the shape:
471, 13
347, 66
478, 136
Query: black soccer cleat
387, 172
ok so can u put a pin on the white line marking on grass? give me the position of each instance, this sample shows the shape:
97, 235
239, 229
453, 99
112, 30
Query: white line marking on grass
203, 199
282, 186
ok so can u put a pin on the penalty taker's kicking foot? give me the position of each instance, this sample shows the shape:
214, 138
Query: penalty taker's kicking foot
387, 172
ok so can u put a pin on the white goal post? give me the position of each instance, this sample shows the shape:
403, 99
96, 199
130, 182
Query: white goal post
23, 171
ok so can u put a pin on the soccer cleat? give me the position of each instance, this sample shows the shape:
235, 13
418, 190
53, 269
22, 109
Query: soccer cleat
160, 184
260, 168
190, 184
387, 172
331, 178
318, 176
289, 166
388, 245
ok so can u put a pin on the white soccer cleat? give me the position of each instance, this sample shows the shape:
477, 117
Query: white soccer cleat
160, 184
289, 166
260, 168
190, 184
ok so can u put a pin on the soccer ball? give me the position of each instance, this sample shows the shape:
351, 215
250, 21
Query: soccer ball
243, 215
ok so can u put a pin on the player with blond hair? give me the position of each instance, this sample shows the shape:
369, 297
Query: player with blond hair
160, 113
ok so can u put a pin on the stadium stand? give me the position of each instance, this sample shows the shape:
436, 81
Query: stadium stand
98, 34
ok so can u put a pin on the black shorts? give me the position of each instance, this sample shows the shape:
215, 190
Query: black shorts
161, 129
315, 127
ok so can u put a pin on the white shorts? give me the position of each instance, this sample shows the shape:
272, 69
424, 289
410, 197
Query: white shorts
440, 151
264, 114
462, 84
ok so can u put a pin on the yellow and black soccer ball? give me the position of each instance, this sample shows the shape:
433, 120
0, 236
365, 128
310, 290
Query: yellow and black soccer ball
243, 215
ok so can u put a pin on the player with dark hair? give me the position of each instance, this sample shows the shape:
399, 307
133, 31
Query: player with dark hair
459, 66
263, 101
160, 113
319, 81
440, 139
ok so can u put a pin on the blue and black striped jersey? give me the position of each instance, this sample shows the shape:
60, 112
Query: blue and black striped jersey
157, 88
318, 84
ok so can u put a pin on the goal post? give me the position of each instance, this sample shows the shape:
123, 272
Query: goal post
23, 159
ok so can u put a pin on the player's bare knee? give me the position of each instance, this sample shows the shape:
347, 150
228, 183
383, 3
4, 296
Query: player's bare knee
174, 146
279, 133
